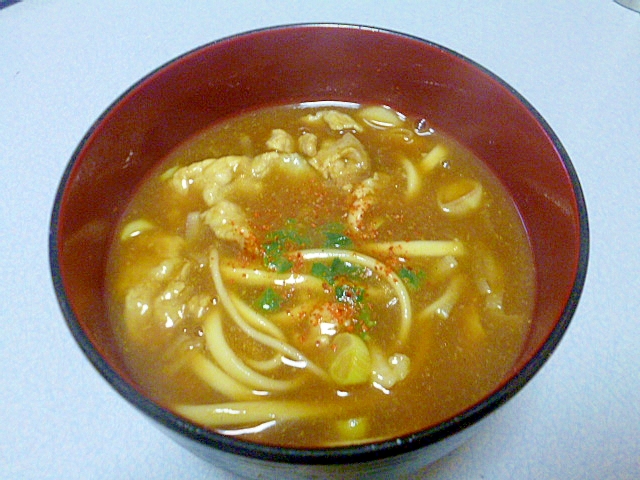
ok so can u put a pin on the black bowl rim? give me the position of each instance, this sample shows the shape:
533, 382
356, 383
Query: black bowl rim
333, 455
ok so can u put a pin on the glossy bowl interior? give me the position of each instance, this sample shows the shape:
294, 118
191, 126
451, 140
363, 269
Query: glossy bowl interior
312, 63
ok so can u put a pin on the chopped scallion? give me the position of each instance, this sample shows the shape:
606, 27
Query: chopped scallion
411, 277
269, 301
335, 236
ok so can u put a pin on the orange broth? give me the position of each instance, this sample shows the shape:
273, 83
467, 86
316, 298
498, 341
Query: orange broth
368, 246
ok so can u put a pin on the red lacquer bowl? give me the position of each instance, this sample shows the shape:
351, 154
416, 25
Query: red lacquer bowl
304, 63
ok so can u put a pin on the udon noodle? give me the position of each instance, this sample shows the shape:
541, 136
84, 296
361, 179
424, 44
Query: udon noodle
320, 274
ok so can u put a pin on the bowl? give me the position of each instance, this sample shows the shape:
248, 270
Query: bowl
302, 63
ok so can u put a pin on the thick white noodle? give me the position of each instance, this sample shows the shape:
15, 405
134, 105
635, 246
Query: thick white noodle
256, 277
461, 204
442, 306
436, 156
255, 319
375, 266
217, 379
265, 365
246, 413
414, 182
381, 117
258, 336
233, 365
418, 248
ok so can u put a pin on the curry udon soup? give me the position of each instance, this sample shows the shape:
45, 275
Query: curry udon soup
320, 274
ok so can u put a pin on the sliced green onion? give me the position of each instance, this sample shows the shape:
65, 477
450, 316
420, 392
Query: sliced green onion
352, 362
269, 301
411, 277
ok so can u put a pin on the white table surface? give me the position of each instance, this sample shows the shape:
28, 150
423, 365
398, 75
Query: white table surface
62, 62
